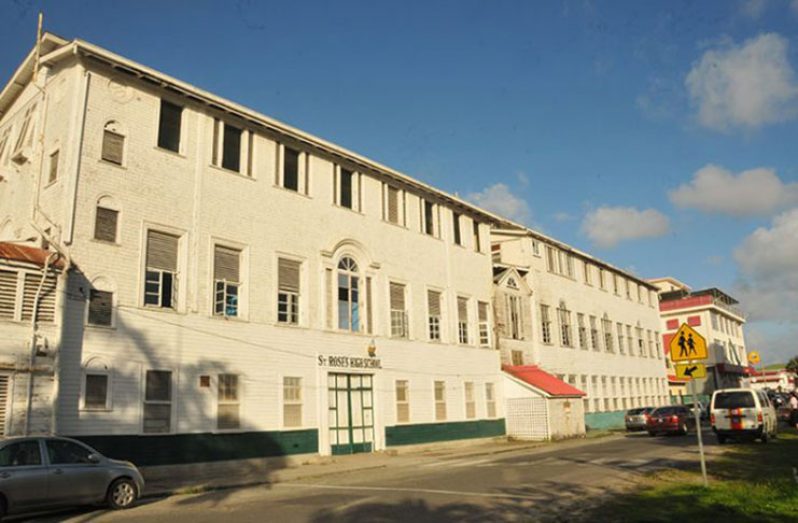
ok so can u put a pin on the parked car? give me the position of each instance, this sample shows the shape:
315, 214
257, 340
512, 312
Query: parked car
674, 419
636, 418
742, 413
39, 473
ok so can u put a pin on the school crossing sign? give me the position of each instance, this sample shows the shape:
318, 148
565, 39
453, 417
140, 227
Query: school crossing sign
688, 345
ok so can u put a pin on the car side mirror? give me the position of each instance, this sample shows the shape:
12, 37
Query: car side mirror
93, 458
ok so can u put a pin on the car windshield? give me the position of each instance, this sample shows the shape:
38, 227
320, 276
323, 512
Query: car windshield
734, 400
634, 412
665, 411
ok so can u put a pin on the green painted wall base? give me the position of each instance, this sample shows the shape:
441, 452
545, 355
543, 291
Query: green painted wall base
175, 449
605, 420
433, 432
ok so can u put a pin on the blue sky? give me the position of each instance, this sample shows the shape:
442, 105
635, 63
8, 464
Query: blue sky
580, 118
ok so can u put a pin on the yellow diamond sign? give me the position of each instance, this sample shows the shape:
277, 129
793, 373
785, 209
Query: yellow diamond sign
691, 371
688, 345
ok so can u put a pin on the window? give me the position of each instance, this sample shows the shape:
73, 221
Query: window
616, 287
158, 401
594, 337
640, 348
398, 311
440, 401
227, 412
62, 452
629, 340
514, 316
95, 390
291, 169
566, 264
292, 402
484, 326
392, 204
113, 147
490, 400
477, 243
650, 338
657, 345
564, 316
545, 324
621, 347
227, 281
714, 318
348, 295
160, 284
434, 315
470, 402
517, 357
100, 308
456, 228
552, 260
345, 189
231, 148
429, 218
580, 321
606, 327
602, 279
588, 276
21, 454
169, 126
535, 248
53, 172
288, 291
402, 402
105, 224
462, 320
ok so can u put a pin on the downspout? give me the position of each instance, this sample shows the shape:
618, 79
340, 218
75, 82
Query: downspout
32, 361
78, 157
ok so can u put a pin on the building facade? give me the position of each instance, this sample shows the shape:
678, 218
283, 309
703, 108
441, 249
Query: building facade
237, 287
713, 314
591, 325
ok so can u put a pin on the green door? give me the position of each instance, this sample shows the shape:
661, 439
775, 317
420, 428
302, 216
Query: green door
351, 413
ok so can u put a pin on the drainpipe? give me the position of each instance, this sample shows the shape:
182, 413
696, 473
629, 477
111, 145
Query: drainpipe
32, 361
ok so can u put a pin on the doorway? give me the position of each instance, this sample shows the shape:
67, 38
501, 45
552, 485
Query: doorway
351, 413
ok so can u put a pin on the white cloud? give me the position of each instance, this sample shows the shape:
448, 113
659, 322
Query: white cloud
752, 192
499, 199
608, 226
563, 217
776, 344
794, 6
745, 86
754, 8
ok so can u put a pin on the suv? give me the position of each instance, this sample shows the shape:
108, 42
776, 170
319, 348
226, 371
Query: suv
742, 413
675, 419
635, 419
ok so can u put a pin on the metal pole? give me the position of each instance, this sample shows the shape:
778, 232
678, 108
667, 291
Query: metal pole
698, 432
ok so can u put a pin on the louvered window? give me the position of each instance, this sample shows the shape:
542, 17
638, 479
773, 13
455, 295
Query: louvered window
621, 347
440, 401
594, 337
490, 400
160, 286
545, 324
458, 240
470, 402
158, 401
95, 391
606, 327
564, 317
392, 205
434, 318
53, 172
429, 218
484, 325
580, 320
228, 406
105, 224
514, 316
226, 281
288, 291
517, 357
101, 307
25, 137
345, 190
292, 402
46, 307
402, 401
169, 126
4, 380
113, 147
231, 148
462, 320
398, 311
8, 294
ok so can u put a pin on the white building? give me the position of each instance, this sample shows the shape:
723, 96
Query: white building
592, 325
780, 380
237, 287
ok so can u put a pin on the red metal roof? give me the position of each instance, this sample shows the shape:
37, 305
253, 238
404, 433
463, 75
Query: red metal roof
684, 303
27, 254
540, 379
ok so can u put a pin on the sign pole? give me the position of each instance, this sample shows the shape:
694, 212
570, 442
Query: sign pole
697, 415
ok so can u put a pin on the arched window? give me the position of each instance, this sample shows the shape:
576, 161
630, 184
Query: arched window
348, 295
113, 143
106, 220
96, 387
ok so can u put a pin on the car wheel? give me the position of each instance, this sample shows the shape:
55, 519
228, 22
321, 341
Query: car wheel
122, 494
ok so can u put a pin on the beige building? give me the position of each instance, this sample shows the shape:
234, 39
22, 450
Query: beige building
593, 326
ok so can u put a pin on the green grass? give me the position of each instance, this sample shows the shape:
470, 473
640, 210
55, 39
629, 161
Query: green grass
751, 482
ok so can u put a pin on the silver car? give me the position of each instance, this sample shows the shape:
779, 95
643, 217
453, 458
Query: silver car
635, 419
38, 473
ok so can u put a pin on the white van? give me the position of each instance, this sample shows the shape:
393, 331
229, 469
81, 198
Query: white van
742, 413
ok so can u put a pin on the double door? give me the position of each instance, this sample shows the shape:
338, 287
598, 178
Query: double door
350, 413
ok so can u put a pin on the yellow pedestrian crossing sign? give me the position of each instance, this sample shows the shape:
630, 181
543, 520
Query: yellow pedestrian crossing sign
691, 371
688, 345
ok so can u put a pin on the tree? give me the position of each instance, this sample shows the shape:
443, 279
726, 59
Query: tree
792, 365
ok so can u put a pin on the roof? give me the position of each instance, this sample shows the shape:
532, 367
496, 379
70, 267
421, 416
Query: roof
55, 49
542, 380
671, 280
27, 254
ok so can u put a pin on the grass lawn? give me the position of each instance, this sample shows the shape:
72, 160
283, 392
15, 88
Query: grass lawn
751, 482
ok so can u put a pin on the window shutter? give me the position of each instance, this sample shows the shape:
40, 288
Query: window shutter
105, 224
3, 403
397, 297
162, 251
434, 303
368, 306
462, 309
482, 309
225, 264
8, 294
113, 147
393, 204
288, 275
46, 310
100, 307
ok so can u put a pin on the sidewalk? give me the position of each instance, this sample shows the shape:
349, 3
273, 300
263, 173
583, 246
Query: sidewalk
198, 477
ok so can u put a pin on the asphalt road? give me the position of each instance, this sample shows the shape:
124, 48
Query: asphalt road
554, 484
